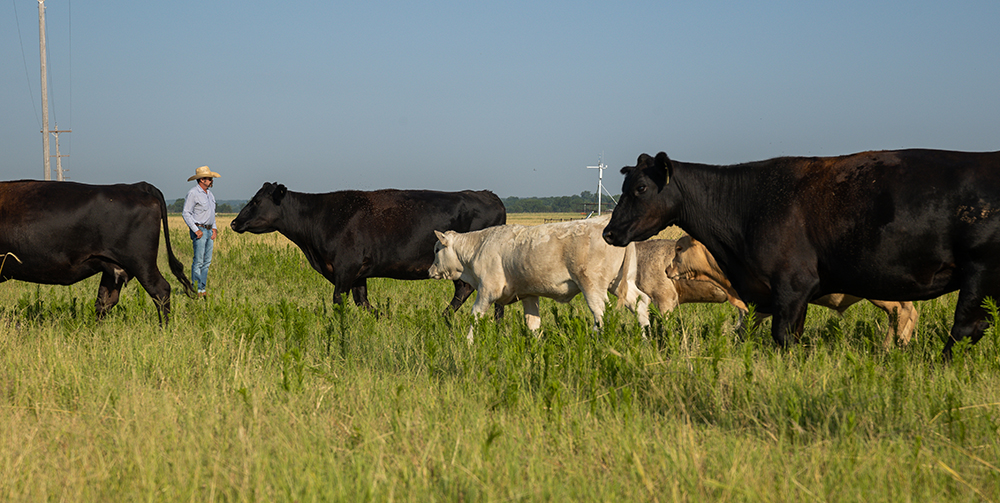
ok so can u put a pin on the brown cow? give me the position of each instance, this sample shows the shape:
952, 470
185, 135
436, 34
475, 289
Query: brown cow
691, 261
654, 256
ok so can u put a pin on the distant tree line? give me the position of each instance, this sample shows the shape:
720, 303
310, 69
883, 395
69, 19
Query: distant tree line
583, 203
220, 206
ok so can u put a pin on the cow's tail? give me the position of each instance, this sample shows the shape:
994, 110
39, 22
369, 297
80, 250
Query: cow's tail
175, 265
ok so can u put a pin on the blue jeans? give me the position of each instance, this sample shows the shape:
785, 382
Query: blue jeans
202, 258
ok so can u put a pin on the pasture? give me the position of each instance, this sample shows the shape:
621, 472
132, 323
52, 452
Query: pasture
267, 392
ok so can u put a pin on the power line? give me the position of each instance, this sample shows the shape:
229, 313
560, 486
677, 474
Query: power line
24, 59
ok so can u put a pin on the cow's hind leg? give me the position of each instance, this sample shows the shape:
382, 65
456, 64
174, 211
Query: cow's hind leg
112, 280
159, 289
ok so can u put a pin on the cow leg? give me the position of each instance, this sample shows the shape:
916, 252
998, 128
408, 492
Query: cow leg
908, 316
790, 293
359, 290
108, 292
788, 321
159, 289
479, 308
902, 320
596, 302
642, 312
741, 327
462, 292
787, 328
970, 317
638, 302
338, 295
532, 316
665, 298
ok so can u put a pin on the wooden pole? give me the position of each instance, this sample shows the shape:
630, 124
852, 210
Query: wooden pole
45, 92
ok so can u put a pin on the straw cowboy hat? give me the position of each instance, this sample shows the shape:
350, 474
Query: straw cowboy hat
204, 172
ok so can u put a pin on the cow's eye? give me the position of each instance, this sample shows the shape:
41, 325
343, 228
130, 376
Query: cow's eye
640, 189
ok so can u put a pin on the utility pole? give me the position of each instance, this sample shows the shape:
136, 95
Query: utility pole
45, 92
58, 156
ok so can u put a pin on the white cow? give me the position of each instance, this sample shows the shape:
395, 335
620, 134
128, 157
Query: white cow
508, 263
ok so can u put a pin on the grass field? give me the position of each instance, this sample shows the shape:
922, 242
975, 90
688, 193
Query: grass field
267, 392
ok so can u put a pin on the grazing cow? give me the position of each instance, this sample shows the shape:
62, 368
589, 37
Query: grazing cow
64, 232
893, 225
351, 235
691, 261
558, 261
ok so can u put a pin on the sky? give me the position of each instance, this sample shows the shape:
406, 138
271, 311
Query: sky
517, 97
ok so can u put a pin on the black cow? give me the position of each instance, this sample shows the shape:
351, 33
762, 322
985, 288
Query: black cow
63, 232
895, 225
351, 235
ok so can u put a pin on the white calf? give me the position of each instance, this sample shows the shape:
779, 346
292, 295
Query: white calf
508, 263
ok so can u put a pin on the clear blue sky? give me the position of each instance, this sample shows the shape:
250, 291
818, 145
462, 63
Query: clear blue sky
516, 96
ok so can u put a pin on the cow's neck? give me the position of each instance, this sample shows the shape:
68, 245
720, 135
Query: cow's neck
296, 213
716, 201
467, 245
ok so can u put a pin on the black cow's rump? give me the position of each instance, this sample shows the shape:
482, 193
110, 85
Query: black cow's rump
349, 236
893, 225
63, 232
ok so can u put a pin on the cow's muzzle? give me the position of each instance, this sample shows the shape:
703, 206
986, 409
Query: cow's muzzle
614, 238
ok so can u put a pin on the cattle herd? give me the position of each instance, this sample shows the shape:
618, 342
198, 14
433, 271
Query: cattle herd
897, 226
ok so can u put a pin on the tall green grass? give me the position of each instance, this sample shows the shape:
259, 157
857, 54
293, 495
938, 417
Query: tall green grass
267, 391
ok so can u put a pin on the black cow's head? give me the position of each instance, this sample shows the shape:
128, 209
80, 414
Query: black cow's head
648, 204
262, 213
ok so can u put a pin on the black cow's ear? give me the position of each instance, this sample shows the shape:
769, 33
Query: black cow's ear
663, 162
278, 194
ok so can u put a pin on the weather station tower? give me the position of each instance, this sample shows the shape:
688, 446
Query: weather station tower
600, 182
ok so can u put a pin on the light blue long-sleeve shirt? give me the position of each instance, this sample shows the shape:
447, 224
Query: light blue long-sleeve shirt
199, 208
